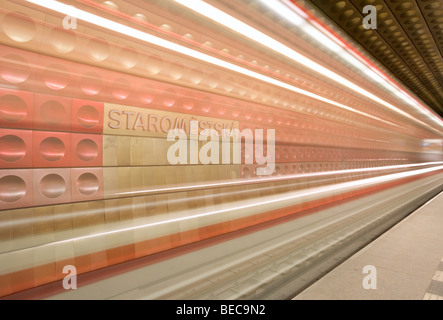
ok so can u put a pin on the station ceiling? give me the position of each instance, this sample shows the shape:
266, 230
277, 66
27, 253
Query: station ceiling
408, 39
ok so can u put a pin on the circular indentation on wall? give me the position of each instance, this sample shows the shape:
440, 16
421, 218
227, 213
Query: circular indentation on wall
88, 184
52, 149
206, 105
63, 41
12, 188
128, 58
188, 103
12, 148
175, 70
12, 108
88, 116
52, 186
228, 85
241, 88
140, 17
196, 76
212, 80
19, 27
53, 112
87, 150
404, 6
91, 83
433, 5
56, 77
346, 14
110, 5
98, 49
254, 93
339, 6
154, 64
15, 69
166, 27
221, 110
147, 93
169, 98
235, 113
353, 22
121, 89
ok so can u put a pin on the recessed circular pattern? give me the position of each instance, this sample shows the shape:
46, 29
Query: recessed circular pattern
169, 98
12, 148
62, 41
91, 83
188, 104
52, 149
52, 186
346, 14
228, 85
206, 105
339, 6
147, 93
88, 184
12, 189
128, 58
212, 80
98, 49
141, 17
176, 70
121, 89
12, 108
111, 5
88, 116
188, 36
404, 6
53, 112
167, 27
87, 150
221, 110
56, 77
154, 64
15, 69
354, 22
19, 27
196, 76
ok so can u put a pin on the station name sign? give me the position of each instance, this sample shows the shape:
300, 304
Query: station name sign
135, 121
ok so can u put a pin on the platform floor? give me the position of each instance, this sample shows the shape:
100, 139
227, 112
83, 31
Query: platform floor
405, 263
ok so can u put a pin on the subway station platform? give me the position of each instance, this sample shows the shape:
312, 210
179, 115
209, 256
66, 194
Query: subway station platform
404, 263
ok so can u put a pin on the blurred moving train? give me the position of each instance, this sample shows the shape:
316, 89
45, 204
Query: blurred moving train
89, 90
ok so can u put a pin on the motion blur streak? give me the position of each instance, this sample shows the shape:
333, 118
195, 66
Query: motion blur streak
131, 32
251, 33
269, 179
292, 196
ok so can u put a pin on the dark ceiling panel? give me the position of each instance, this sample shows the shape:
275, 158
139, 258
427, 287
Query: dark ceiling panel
408, 39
